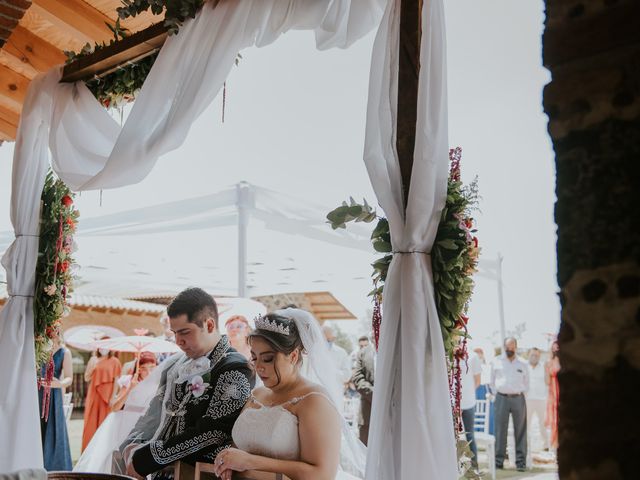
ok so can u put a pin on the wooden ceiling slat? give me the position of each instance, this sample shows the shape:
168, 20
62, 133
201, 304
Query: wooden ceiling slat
9, 115
13, 87
76, 17
33, 50
8, 131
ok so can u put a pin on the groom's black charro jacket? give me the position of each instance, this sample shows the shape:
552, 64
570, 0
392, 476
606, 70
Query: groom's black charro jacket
199, 412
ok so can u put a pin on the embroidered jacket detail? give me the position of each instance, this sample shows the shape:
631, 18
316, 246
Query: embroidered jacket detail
164, 456
230, 394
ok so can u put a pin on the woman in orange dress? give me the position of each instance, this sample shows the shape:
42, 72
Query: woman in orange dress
102, 373
552, 369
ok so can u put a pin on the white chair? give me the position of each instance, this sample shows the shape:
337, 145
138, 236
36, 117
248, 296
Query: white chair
483, 438
67, 406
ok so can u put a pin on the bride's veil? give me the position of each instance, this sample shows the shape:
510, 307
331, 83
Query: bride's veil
353, 453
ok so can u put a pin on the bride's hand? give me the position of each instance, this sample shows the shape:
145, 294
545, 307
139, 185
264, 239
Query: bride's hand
232, 459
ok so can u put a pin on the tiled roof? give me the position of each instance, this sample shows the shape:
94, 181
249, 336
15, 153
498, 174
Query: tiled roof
108, 303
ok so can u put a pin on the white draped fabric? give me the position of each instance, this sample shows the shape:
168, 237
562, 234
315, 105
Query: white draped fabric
91, 151
411, 430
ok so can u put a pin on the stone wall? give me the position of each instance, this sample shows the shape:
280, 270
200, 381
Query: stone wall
592, 49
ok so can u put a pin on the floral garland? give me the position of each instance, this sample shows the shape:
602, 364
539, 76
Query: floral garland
454, 255
54, 278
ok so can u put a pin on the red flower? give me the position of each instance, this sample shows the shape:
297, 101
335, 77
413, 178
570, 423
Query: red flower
67, 201
468, 222
64, 266
462, 322
475, 242
71, 223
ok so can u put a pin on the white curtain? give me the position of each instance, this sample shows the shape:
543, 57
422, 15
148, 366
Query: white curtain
411, 431
91, 151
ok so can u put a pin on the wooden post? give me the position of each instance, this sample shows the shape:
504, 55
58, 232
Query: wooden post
408, 75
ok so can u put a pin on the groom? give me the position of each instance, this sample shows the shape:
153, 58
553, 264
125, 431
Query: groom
201, 393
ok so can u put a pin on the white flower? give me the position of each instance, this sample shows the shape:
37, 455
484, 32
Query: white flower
50, 290
198, 386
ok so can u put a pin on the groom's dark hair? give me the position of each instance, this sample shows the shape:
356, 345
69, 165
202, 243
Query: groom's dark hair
196, 304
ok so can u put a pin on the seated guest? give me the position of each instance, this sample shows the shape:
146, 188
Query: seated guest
238, 330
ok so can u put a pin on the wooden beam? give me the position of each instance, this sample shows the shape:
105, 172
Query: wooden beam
76, 17
8, 114
103, 61
408, 75
13, 87
8, 131
32, 50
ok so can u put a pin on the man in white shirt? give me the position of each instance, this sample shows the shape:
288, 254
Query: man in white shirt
470, 380
510, 382
537, 396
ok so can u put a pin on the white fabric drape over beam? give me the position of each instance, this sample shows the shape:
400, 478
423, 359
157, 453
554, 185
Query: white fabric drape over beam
411, 430
91, 151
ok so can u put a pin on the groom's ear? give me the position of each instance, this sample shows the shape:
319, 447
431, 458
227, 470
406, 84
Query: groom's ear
210, 323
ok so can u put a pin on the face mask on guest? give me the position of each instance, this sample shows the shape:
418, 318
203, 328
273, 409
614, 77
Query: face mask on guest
510, 353
104, 351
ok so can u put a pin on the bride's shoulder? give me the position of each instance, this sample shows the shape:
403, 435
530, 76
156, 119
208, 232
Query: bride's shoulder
312, 395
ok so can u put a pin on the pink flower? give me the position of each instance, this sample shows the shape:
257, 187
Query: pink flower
50, 290
198, 386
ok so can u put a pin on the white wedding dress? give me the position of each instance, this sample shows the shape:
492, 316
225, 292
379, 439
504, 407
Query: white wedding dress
273, 432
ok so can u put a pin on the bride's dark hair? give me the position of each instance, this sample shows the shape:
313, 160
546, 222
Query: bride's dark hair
285, 344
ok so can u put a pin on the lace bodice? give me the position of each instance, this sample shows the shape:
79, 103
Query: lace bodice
269, 431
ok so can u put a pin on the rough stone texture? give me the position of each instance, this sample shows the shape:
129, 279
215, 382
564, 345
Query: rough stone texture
592, 48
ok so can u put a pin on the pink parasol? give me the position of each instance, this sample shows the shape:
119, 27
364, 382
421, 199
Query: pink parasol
137, 344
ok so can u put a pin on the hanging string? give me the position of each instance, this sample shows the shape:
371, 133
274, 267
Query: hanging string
100, 197
224, 99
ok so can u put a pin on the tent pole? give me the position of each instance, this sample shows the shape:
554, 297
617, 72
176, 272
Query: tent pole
503, 328
242, 197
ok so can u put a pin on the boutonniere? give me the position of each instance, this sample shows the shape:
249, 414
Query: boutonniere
197, 386
192, 368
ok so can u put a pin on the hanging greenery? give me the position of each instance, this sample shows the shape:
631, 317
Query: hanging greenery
454, 255
121, 86
54, 278
175, 11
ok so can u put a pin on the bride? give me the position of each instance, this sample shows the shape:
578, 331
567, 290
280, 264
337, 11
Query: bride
291, 425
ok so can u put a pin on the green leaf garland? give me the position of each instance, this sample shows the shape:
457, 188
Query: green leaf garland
54, 278
454, 256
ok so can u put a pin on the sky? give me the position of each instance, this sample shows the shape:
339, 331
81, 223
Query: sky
294, 123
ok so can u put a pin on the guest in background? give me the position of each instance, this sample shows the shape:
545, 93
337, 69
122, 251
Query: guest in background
238, 330
363, 375
55, 438
104, 370
470, 380
552, 369
537, 396
510, 382
124, 384
338, 354
167, 334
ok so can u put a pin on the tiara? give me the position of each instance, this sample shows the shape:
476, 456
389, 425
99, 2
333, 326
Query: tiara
264, 323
